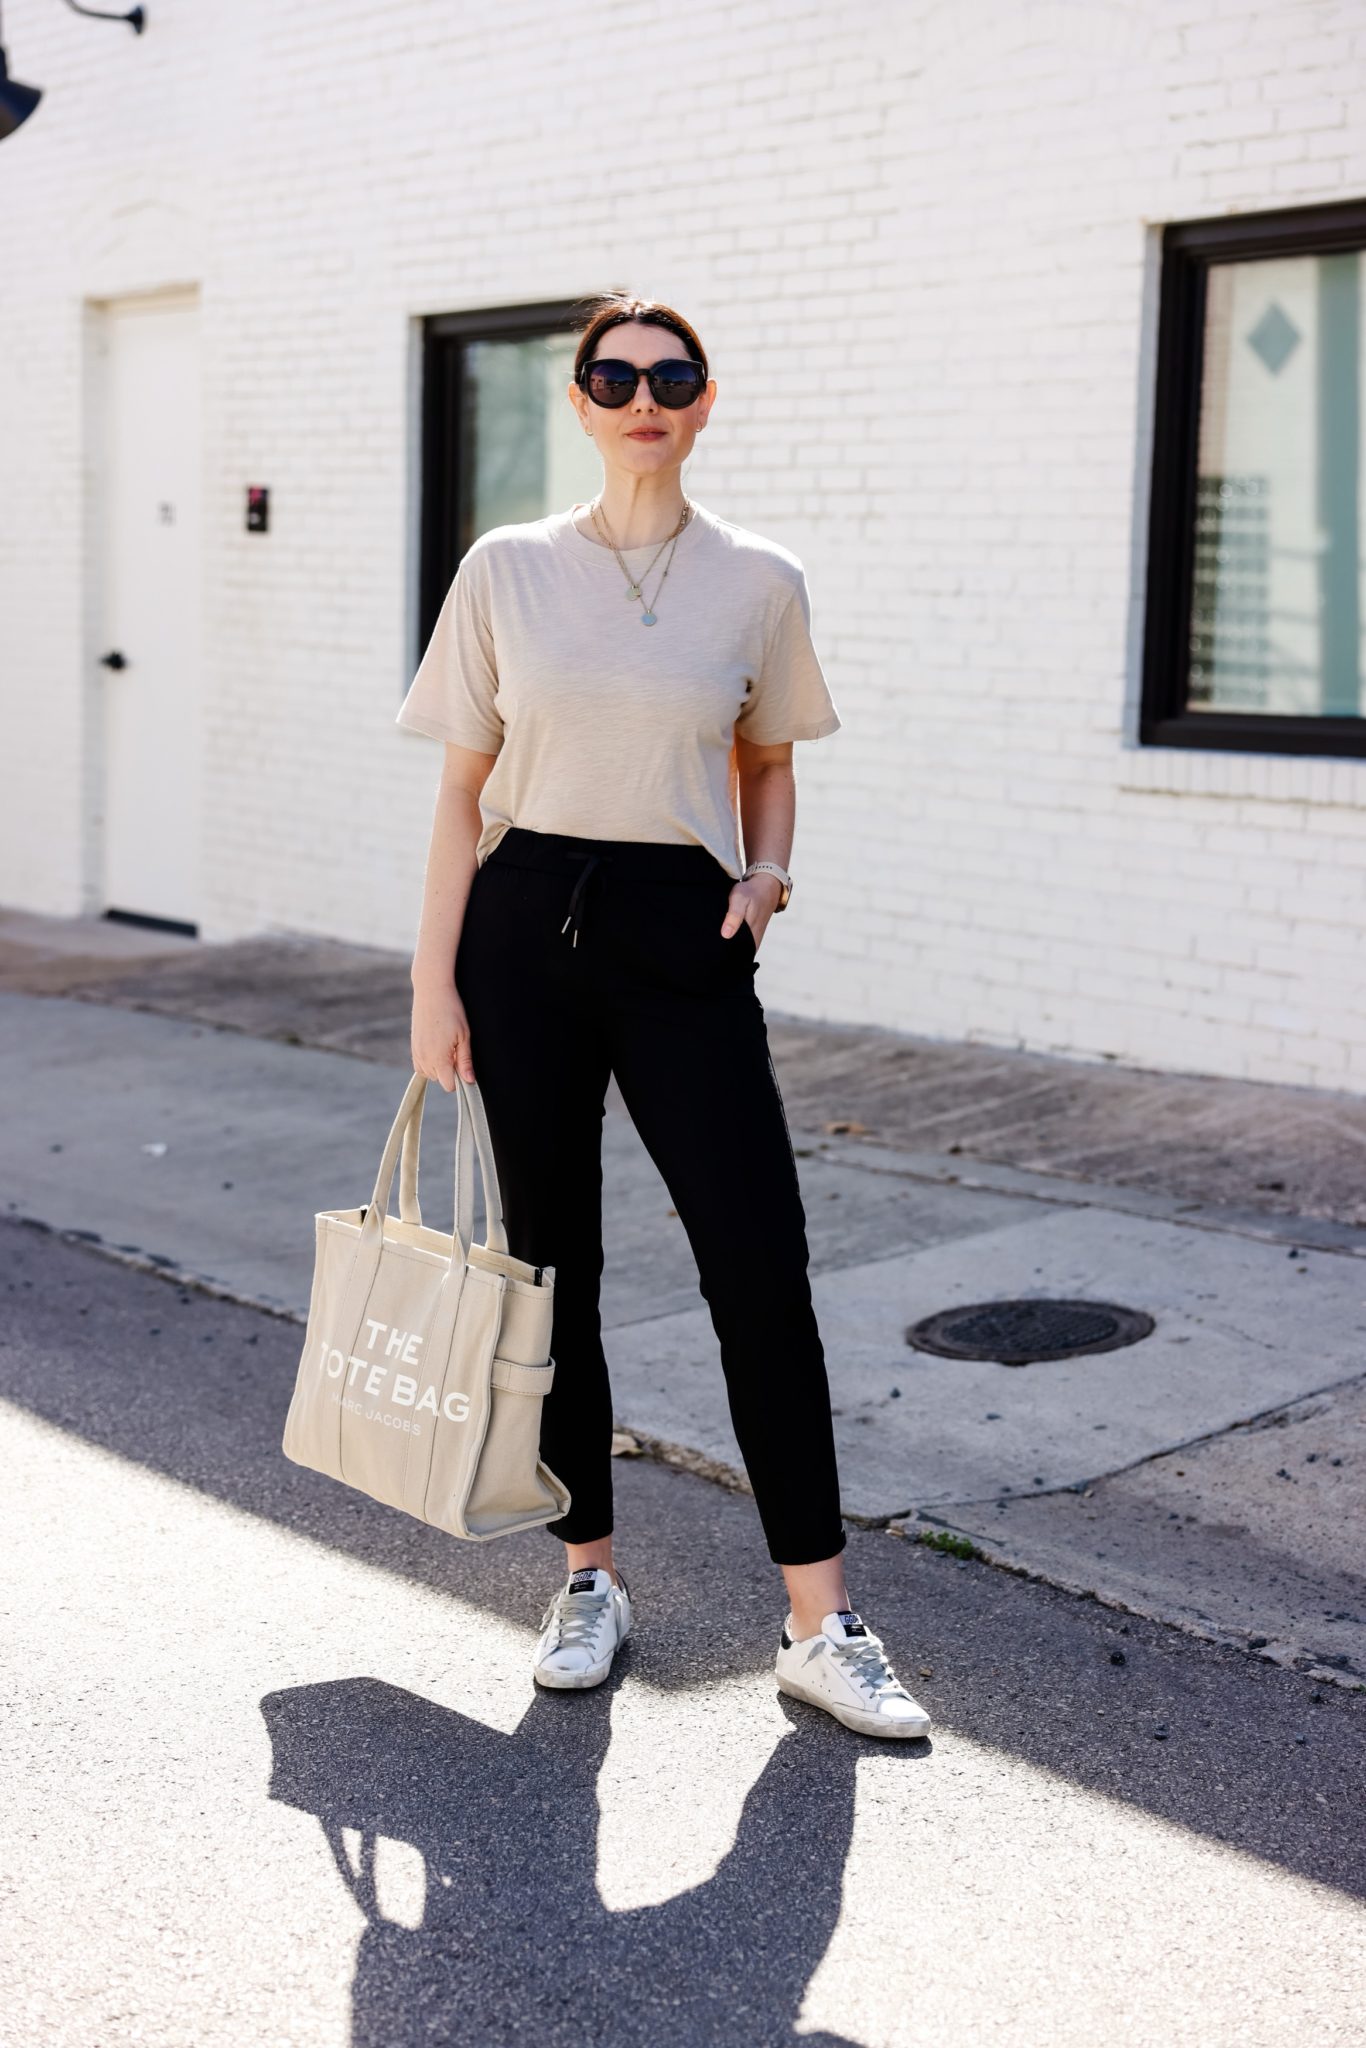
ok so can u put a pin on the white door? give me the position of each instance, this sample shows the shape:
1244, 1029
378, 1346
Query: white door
150, 609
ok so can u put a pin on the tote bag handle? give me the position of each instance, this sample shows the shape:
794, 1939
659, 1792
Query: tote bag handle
472, 1134
409, 1207
472, 1112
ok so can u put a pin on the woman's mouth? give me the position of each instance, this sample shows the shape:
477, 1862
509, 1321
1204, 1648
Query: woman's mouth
646, 434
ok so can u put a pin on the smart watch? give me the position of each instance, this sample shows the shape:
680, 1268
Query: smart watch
770, 867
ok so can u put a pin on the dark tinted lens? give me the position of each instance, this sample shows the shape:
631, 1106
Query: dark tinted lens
612, 383
676, 383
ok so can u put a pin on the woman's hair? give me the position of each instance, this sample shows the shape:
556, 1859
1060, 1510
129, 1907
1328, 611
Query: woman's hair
612, 308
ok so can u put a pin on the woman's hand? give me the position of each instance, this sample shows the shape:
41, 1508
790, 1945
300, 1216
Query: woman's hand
753, 903
441, 1034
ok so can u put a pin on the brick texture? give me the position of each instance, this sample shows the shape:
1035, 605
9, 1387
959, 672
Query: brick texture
924, 262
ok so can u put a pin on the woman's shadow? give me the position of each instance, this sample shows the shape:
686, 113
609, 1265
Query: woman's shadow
514, 1943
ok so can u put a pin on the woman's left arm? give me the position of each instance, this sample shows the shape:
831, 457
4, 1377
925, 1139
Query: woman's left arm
768, 816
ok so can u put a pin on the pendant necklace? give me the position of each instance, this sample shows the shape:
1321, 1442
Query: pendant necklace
634, 585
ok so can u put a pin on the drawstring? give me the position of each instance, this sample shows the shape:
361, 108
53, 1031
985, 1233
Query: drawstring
590, 861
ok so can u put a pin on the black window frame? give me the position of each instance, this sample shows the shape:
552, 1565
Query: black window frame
1188, 250
444, 520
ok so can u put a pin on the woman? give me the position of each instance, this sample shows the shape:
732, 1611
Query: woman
585, 879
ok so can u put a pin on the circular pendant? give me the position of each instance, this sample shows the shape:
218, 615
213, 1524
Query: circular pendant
633, 593
647, 618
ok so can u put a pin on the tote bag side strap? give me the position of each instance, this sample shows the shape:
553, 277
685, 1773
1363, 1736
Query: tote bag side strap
511, 1378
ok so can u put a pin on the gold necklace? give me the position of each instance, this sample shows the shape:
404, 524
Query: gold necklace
634, 584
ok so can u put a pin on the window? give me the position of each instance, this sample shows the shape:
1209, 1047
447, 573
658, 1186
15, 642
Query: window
1255, 568
500, 441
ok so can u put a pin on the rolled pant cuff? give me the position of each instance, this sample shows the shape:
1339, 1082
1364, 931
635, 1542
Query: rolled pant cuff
807, 1554
556, 1530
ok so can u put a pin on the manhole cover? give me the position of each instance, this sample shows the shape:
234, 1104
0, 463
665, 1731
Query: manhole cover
1021, 1332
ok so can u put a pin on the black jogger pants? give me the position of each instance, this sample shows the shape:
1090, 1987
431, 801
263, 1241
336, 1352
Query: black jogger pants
584, 958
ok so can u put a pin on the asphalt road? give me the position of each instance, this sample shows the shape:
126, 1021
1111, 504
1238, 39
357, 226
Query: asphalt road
276, 1772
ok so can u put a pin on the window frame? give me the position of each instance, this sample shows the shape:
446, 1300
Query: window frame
1188, 250
443, 522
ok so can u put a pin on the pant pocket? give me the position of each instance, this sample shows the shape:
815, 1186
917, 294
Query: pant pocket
668, 935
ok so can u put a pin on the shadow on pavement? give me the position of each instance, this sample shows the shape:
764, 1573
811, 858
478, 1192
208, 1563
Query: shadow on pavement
196, 1389
514, 1942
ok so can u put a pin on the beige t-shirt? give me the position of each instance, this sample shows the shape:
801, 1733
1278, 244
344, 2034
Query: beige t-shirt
604, 727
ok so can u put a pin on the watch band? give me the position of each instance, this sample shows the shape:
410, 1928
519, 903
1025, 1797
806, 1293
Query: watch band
771, 867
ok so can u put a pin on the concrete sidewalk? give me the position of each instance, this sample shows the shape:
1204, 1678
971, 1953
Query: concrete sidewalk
192, 1106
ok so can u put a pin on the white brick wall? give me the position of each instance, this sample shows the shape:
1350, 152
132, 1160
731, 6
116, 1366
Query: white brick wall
921, 248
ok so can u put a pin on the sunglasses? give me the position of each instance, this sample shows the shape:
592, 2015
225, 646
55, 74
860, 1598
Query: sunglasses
673, 384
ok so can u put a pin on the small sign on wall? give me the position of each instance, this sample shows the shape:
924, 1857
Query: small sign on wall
258, 508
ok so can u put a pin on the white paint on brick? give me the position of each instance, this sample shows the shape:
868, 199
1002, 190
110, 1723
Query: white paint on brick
925, 264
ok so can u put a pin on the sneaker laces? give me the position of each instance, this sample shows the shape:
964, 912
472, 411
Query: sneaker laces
868, 1666
577, 1616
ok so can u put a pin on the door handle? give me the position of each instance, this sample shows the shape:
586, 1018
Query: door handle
113, 660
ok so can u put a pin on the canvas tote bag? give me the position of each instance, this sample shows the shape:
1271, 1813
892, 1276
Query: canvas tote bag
426, 1357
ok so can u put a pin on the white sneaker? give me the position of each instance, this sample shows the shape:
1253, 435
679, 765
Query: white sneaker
581, 1630
845, 1670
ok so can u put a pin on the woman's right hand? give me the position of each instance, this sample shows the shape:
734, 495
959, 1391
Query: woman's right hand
441, 1035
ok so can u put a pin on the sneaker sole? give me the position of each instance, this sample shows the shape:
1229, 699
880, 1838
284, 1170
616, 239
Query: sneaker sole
862, 1724
572, 1681
577, 1681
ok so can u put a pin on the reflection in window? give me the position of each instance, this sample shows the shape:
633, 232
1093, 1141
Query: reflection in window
501, 441
522, 450
1276, 602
